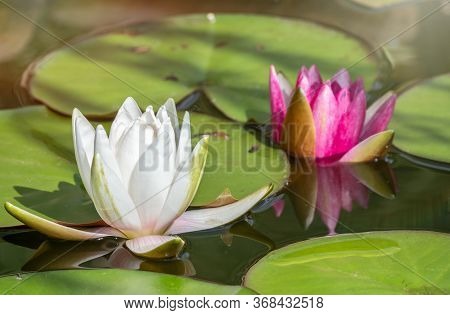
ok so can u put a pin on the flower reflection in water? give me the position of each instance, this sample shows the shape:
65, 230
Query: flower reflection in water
102, 253
329, 190
110, 252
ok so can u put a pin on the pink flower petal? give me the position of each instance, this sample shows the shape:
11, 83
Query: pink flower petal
277, 104
326, 118
303, 80
314, 75
350, 122
341, 80
379, 115
309, 81
356, 87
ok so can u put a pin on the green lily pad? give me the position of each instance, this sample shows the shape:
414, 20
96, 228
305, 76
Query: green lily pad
234, 156
421, 120
110, 281
226, 55
37, 166
38, 169
400, 262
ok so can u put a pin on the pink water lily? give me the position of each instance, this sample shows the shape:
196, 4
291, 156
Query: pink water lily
141, 179
328, 120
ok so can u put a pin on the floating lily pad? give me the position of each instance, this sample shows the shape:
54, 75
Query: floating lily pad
110, 281
400, 262
238, 163
226, 55
421, 120
38, 170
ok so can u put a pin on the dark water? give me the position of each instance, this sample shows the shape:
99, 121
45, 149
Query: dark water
408, 196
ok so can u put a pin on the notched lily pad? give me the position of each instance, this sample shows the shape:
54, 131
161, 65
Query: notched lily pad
228, 58
365, 263
225, 198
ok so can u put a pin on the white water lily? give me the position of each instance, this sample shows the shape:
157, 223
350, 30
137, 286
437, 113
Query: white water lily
141, 178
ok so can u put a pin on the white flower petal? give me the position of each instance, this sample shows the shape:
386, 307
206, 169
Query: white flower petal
153, 175
184, 142
151, 119
133, 143
196, 220
111, 199
103, 147
83, 138
172, 113
156, 246
184, 186
162, 114
125, 116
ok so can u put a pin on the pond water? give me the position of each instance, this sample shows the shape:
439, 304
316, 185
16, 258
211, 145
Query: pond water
406, 193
